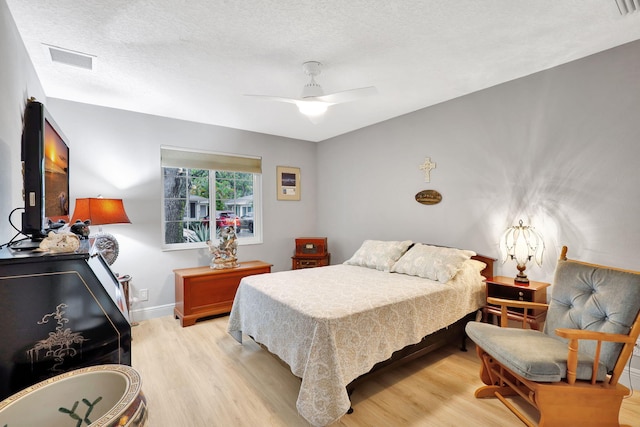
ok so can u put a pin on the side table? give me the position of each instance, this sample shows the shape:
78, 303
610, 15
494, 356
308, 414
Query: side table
505, 287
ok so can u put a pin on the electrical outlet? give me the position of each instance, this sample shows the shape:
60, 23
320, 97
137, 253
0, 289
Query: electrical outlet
636, 349
143, 294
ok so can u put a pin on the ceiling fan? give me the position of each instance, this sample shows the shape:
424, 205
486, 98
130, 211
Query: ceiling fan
313, 103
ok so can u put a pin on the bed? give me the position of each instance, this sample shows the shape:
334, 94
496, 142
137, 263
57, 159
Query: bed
332, 325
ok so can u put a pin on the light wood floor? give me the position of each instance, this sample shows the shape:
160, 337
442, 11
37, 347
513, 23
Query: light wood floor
199, 376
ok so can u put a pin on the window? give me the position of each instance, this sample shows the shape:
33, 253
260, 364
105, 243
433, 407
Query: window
203, 192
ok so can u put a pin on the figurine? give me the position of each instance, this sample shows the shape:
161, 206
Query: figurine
224, 255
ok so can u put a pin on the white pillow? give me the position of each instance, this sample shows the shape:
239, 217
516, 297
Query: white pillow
378, 254
432, 262
471, 269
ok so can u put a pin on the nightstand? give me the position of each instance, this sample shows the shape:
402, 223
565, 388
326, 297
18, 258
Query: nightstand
504, 287
298, 261
310, 252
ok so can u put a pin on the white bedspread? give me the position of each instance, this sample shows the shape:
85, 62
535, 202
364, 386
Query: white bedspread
332, 324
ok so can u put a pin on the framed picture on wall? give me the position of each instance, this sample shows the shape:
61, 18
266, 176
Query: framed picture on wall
288, 187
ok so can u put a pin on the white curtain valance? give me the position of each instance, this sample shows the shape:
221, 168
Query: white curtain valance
181, 158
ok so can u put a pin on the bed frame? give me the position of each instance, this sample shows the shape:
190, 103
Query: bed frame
434, 341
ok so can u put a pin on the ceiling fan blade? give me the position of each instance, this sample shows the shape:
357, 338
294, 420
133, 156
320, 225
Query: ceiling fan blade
276, 98
310, 107
347, 95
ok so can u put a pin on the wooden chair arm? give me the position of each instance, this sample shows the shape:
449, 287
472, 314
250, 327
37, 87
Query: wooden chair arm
517, 304
574, 335
506, 303
584, 334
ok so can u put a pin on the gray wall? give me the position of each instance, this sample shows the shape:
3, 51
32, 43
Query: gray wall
558, 149
18, 82
116, 153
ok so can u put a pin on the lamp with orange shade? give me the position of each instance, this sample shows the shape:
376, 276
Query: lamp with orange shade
100, 211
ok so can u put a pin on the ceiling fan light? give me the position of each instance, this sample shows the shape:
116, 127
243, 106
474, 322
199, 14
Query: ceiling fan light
312, 108
312, 89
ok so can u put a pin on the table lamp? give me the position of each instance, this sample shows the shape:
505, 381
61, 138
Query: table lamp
100, 211
521, 243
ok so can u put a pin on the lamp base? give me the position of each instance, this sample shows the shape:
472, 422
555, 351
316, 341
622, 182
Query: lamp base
521, 280
106, 245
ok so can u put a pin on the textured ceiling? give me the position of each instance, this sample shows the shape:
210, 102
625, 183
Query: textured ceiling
195, 59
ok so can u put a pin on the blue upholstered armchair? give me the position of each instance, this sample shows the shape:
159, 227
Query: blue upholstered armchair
570, 370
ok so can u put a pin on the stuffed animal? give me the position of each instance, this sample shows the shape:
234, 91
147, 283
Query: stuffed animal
81, 228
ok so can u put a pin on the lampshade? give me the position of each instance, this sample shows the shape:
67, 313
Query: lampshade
100, 211
521, 243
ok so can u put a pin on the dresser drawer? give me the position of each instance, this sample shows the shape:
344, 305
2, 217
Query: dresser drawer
518, 294
298, 262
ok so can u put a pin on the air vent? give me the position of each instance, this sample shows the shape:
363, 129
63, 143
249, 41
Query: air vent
70, 57
628, 6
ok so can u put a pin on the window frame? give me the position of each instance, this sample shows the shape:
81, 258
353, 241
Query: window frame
236, 159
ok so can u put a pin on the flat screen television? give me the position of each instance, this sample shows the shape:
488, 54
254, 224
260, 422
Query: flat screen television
45, 170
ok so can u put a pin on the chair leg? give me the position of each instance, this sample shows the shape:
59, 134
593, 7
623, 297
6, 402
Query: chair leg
501, 383
491, 390
515, 411
491, 371
485, 366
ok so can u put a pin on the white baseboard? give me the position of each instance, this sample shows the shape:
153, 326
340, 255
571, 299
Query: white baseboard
141, 314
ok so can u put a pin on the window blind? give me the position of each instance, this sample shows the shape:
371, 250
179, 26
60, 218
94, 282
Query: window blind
192, 159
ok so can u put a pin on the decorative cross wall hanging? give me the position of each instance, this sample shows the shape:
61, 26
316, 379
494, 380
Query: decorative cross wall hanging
427, 166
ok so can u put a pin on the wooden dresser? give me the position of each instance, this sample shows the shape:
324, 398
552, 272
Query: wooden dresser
203, 291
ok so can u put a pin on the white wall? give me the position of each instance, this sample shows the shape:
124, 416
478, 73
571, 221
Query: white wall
558, 149
116, 153
18, 82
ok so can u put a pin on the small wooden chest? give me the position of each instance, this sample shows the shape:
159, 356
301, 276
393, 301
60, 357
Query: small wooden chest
311, 247
203, 291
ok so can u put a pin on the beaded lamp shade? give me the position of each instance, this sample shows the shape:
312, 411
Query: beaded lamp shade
521, 243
